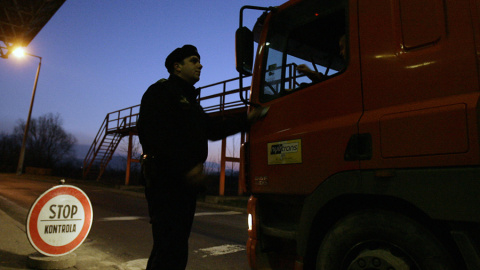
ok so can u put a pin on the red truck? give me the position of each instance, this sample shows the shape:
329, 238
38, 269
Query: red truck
375, 162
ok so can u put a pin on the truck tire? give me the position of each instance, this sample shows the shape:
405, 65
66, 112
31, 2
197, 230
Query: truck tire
381, 240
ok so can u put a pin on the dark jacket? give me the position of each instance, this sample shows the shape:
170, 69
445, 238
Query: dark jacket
173, 127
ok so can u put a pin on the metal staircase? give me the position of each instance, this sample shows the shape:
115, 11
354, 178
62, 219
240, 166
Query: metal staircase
217, 100
115, 126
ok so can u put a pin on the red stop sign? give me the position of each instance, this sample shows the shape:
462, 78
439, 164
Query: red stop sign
59, 220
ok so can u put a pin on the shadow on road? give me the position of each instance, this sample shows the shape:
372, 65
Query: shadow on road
12, 260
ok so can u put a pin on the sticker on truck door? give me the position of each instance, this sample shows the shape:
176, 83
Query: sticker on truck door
285, 152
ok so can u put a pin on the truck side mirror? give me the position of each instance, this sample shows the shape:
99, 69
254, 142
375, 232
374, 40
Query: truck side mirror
244, 50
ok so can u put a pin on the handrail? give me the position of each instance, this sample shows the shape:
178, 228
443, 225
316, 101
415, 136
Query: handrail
118, 122
223, 105
124, 118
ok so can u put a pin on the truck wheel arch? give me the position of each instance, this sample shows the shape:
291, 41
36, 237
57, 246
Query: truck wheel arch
342, 194
374, 238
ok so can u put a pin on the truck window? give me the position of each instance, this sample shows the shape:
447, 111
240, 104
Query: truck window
315, 42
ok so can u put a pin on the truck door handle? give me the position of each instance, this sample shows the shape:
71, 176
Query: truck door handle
359, 147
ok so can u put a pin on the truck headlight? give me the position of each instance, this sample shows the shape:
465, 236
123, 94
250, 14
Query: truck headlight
250, 222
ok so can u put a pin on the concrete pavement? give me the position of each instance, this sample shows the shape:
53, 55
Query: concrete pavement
14, 245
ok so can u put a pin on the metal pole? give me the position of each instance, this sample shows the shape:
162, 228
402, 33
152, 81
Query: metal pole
129, 159
221, 188
27, 125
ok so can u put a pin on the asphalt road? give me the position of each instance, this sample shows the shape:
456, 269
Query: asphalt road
120, 237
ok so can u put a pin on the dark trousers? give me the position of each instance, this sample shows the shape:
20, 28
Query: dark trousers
171, 214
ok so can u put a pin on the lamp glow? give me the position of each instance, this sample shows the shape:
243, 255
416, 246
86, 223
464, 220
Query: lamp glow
19, 52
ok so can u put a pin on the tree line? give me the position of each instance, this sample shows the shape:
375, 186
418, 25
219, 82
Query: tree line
48, 145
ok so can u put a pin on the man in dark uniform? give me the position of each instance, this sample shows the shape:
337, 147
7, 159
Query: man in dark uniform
174, 132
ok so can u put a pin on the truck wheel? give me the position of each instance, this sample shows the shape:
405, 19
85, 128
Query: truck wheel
381, 240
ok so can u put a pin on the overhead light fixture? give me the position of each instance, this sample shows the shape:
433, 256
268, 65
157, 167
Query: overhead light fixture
19, 52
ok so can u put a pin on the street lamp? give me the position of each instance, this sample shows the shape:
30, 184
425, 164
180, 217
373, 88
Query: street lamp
20, 53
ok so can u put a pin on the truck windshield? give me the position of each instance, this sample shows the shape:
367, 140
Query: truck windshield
306, 44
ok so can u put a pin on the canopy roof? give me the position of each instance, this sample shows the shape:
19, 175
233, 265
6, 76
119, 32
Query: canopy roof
22, 20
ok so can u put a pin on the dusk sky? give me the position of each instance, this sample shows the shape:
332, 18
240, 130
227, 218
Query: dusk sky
100, 56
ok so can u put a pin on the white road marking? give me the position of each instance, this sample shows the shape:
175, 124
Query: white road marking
140, 264
218, 213
220, 250
130, 218
121, 218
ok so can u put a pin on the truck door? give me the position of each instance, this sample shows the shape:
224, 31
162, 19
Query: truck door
305, 137
420, 83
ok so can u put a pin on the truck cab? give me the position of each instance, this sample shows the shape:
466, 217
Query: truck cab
372, 161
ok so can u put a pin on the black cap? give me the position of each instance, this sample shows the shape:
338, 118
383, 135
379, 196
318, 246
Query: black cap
179, 54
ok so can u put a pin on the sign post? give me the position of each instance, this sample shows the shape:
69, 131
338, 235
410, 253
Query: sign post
59, 220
